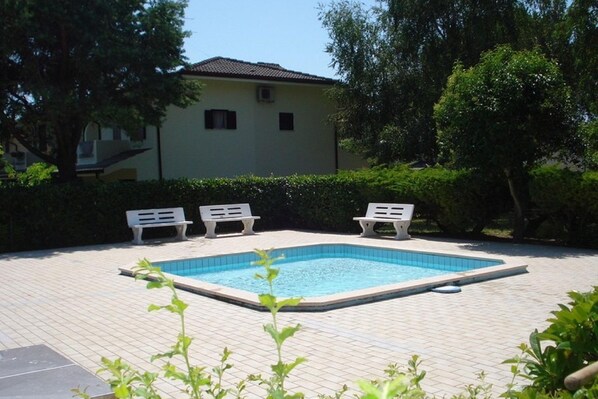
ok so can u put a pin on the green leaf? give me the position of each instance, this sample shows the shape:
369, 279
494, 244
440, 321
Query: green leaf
267, 300
269, 328
154, 284
289, 302
297, 395
121, 391
290, 366
288, 332
179, 305
153, 308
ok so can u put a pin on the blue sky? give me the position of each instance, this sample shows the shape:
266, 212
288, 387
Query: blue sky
286, 32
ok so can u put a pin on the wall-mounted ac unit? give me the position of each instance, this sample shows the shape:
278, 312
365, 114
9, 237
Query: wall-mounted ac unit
265, 94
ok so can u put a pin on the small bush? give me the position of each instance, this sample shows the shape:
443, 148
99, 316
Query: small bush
567, 201
36, 174
568, 344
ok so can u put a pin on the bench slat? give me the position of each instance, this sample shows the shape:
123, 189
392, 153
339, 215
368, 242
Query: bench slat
212, 214
162, 217
398, 214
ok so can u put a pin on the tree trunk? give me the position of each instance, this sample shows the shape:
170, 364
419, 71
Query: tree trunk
66, 158
517, 190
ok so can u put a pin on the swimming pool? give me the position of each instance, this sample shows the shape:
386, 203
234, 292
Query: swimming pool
330, 276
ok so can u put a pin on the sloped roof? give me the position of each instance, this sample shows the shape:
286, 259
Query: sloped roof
236, 69
100, 166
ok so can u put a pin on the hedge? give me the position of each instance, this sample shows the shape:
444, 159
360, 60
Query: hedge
53, 216
567, 202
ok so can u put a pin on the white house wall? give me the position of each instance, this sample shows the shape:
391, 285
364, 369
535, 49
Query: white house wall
256, 146
309, 148
146, 163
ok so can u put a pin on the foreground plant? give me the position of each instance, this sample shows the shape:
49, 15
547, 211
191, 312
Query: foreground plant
568, 344
275, 385
398, 384
127, 382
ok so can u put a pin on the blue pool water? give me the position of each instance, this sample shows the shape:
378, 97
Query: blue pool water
325, 269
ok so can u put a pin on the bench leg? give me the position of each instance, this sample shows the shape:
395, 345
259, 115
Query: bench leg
210, 229
248, 227
181, 232
367, 227
137, 232
401, 227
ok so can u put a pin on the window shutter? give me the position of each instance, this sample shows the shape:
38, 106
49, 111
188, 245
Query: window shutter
209, 119
285, 121
231, 119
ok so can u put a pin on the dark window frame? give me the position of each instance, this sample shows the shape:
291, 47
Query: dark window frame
230, 120
286, 121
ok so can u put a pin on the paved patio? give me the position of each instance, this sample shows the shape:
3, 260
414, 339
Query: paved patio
74, 301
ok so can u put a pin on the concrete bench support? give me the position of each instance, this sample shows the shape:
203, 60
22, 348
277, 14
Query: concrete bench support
146, 218
213, 214
398, 214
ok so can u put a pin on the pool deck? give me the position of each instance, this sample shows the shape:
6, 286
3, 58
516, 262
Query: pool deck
75, 301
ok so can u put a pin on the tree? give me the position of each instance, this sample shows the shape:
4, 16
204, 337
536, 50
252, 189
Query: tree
503, 116
4, 165
582, 23
393, 62
67, 63
567, 31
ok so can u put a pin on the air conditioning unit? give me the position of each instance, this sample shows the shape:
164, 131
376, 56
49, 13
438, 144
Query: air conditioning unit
265, 94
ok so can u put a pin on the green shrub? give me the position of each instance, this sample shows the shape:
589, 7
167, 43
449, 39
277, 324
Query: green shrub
36, 174
457, 201
567, 202
568, 344
325, 203
51, 216
589, 134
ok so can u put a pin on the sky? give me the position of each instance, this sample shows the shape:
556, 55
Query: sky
285, 32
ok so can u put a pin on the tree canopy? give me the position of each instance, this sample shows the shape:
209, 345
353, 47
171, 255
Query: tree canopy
394, 60
65, 64
504, 115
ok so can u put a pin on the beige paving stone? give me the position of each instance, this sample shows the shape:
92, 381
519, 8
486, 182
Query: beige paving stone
74, 300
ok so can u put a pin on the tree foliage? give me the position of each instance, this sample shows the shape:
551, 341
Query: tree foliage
65, 64
393, 62
504, 115
567, 31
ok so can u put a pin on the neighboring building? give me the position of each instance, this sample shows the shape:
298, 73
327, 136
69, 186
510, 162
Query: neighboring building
252, 118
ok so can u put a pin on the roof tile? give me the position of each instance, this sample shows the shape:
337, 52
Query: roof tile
236, 69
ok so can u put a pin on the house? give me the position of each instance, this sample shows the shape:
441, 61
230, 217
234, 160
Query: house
252, 118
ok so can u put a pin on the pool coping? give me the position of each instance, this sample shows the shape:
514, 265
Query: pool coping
335, 301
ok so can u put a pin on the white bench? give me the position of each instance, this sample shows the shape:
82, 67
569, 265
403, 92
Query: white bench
398, 214
145, 218
212, 214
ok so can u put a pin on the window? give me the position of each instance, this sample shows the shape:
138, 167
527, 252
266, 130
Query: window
285, 121
220, 119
